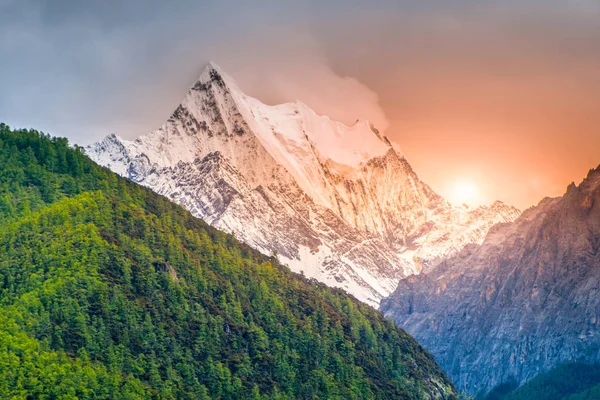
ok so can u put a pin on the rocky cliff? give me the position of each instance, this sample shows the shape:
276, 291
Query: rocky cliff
524, 301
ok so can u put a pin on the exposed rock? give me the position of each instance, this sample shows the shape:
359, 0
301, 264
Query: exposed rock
524, 301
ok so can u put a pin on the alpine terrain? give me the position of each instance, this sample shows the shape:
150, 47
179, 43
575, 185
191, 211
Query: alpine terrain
110, 291
521, 303
338, 203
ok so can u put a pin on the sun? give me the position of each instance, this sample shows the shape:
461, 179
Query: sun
464, 192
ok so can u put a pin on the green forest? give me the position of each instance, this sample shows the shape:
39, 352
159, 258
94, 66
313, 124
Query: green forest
566, 382
110, 291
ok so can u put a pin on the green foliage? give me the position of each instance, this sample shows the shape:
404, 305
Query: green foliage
500, 391
566, 382
109, 291
589, 394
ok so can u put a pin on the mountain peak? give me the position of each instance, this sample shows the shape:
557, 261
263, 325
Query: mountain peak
594, 171
114, 137
213, 73
350, 145
327, 196
592, 180
211, 66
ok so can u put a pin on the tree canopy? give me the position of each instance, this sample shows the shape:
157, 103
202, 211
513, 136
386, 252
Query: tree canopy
110, 291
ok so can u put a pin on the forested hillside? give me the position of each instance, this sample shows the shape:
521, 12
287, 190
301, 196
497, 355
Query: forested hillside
108, 290
566, 382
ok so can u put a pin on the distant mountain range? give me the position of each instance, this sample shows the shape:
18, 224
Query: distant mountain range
521, 303
337, 203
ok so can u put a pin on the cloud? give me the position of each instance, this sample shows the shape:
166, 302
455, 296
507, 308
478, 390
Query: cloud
342, 98
77, 71
280, 66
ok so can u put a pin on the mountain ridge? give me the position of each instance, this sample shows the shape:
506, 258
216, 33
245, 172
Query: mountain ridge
111, 291
519, 304
337, 202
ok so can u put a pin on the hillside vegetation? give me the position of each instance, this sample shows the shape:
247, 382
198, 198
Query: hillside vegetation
109, 291
566, 382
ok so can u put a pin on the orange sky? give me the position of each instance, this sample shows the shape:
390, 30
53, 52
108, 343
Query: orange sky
517, 139
508, 101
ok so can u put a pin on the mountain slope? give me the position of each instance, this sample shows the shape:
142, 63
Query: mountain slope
526, 300
108, 290
336, 202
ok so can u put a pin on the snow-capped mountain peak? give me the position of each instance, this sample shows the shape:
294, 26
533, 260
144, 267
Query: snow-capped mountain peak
337, 202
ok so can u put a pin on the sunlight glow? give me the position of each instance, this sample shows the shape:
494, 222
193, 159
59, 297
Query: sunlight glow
464, 192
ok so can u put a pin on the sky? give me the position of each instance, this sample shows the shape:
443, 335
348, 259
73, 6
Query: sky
496, 99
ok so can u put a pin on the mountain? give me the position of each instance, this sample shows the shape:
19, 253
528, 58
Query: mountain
526, 300
110, 291
337, 203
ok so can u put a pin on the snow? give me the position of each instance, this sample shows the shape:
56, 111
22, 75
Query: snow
300, 140
298, 127
297, 123
287, 179
111, 152
362, 283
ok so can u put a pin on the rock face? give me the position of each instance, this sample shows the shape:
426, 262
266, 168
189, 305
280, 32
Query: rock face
338, 203
524, 301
